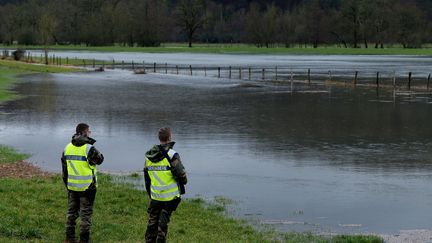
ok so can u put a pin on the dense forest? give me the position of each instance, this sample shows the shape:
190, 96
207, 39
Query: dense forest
345, 23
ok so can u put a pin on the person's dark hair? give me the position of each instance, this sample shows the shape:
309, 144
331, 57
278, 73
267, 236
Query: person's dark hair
80, 128
164, 134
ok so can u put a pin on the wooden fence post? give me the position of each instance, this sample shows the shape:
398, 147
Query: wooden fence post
276, 73
377, 79
429, 77
229, 72
122, 64
113, 64
309, 76
240, 73
292, 81
166, 68
177, 69
218, 72
154, 67
355, 78
250, 73
263, 74
409, 80
190, 68
205, 71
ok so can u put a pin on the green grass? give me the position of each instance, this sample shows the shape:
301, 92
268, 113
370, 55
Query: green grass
28, 67
240, 49
9, 155
7, 78
35, 210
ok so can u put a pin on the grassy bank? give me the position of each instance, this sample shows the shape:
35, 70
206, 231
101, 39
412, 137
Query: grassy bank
239, 49
34, 210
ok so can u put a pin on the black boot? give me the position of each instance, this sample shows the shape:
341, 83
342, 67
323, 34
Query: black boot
85, 238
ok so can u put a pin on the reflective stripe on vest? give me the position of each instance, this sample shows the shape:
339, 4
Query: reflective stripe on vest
80, 172
163, 187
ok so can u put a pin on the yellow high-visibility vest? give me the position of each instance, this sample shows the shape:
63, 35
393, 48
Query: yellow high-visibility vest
80, 172
163, 185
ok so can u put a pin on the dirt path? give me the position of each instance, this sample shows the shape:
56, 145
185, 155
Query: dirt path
21, 169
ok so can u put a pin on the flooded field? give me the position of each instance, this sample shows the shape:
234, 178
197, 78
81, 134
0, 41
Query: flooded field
321, 159
339, 65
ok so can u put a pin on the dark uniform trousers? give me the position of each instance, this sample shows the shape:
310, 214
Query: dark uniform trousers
159, 217
80, 205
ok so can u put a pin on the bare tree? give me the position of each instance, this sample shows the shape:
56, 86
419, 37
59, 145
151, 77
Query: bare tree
47, 25
351, 14
9, 25
287, 28
270, 19
254, 25
313, 19
191, 15
409, 25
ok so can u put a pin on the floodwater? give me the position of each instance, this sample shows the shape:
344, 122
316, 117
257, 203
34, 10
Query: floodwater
320, 159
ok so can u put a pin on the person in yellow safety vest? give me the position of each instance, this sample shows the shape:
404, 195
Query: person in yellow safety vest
165, 177
79, 161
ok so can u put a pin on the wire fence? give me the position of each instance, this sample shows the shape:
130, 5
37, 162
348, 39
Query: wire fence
404, 80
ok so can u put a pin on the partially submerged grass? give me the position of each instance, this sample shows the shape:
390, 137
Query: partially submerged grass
6, 81
10, 69
135, 175
9, 155
356, 239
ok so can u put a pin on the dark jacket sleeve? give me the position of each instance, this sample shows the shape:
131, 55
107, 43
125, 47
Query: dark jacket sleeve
178, 170
64, 169
95, 157
147, 181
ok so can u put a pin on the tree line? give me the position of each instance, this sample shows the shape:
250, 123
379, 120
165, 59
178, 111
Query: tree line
345, 23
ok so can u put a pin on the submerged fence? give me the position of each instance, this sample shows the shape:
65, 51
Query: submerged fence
400, 80
376, 78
